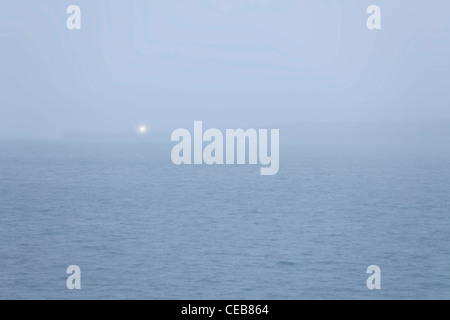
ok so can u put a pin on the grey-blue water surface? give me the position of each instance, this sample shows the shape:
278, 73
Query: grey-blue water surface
140, 227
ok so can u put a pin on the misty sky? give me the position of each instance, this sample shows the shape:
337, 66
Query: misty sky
229, 63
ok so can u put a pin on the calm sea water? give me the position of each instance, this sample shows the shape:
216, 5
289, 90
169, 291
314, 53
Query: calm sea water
142, 228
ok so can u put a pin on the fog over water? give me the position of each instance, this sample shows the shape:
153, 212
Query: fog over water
256, 63
86, 176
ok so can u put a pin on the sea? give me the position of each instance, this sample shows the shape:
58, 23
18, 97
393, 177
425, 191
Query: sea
140, 227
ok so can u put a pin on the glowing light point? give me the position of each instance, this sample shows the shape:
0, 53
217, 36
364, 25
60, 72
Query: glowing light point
142, 129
